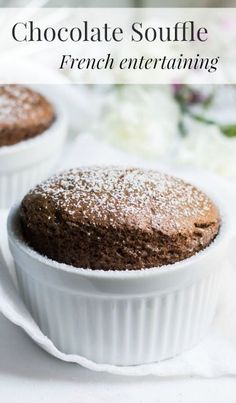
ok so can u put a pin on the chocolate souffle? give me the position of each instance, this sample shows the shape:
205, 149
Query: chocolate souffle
117, 219
24, 114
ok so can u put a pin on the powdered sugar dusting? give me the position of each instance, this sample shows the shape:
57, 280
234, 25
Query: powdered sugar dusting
113, 194
18, 103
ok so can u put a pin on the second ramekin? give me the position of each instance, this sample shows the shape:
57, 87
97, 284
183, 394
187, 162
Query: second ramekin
28, 162
120, 317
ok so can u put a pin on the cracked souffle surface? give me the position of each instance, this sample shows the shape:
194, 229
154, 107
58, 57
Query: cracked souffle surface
115, 218
24, 114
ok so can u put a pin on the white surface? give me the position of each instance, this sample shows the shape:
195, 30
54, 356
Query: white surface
29, 375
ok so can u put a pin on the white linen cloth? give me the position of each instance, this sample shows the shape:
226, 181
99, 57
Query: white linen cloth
213, 357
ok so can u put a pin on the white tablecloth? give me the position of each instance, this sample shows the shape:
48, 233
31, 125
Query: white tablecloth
29, 375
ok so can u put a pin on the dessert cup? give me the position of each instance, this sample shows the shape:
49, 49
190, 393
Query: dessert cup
120, 317
28, 162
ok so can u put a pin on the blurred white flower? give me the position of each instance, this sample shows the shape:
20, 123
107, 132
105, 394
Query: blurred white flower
222, 106
204, 146
141, 119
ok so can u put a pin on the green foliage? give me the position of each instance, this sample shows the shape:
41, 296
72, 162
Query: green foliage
229, 130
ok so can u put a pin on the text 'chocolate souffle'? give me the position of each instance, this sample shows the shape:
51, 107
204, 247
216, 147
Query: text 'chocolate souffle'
24, 114
115, 218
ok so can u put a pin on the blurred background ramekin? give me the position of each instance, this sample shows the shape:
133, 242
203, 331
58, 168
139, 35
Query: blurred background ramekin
28, 162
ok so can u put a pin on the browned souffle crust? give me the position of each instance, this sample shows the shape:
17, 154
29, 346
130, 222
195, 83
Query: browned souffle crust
115, 218
24, 114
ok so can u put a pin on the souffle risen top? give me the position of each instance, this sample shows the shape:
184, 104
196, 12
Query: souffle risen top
24, 114
116, 218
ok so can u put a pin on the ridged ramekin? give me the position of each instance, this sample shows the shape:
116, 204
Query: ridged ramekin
28, 162
120, 317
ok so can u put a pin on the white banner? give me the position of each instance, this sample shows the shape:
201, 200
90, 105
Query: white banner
107, 46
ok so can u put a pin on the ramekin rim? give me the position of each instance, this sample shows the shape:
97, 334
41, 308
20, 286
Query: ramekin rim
112, 274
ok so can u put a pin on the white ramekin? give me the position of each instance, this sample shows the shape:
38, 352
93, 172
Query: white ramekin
25, 164
120, 317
